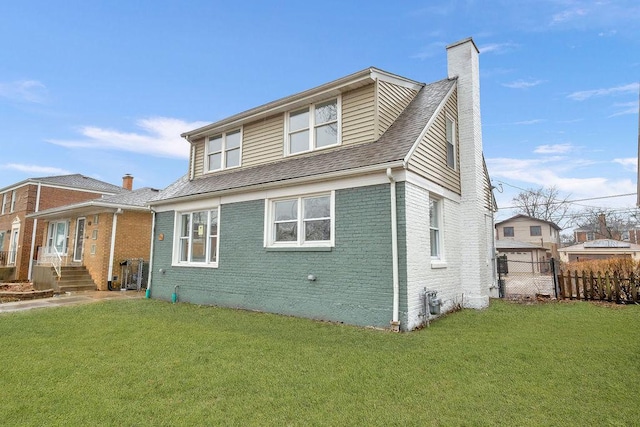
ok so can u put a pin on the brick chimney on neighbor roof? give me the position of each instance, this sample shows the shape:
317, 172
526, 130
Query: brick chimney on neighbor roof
127, 182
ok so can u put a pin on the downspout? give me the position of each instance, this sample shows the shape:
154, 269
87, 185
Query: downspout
33, 233
153, 233
395, 322
114, 226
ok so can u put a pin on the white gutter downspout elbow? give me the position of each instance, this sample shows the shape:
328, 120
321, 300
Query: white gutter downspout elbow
114, 226
395, 322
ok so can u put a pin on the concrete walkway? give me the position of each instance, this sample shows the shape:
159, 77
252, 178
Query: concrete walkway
67, 299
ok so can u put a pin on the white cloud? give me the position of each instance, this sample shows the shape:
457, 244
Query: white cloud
529, 122
553, 149
24, 90
568, 15
498, 48
547, 173
627, 108
159, 136
616, 90
523, 84
433, 49
629, 163
35, 169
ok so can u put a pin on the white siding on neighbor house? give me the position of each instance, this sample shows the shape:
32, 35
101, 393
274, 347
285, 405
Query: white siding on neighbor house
430, 157
263, 141
358, 115
392, 100
446, 280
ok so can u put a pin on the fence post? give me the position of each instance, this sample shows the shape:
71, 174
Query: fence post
552, 263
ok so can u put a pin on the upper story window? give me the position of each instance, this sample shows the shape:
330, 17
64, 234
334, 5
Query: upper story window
224, 150
507, 231
13, 201
535, 230
314, 127
451, 142
300, 221
4, 202
591, 235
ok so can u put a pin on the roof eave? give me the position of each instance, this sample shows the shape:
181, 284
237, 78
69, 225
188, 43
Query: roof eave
333, 88
289, 182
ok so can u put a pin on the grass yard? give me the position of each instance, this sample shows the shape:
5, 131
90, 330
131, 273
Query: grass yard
145, 362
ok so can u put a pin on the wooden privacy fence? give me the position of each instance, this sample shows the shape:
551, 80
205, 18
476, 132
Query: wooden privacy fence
611, 287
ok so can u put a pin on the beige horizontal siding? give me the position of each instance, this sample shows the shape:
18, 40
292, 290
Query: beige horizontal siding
198, 165
486, 182
392, 100
263, 141
358, 115
430, 157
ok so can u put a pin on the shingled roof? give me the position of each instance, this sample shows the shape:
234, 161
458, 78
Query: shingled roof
391, 147
75, 181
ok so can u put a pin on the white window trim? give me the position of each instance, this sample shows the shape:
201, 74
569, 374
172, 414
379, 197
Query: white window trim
448, 118
13, 201
311, 127
269, 240
223, 159
175, 256
440, 260
4, 202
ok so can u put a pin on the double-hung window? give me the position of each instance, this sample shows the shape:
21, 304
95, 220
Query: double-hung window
58, 237
224, 150
314, 127
13, 201
197, 238
435, 226
304, 221
535, 230
4, 202
508, 231
451, 142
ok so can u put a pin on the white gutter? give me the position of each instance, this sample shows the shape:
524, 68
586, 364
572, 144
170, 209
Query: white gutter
114, 226
33, 234
395, 322
153, 233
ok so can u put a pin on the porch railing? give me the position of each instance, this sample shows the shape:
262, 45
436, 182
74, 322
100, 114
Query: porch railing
49, 255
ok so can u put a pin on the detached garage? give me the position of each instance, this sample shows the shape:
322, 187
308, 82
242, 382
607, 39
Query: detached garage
600, 249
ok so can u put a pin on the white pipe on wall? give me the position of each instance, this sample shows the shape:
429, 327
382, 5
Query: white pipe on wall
395, 322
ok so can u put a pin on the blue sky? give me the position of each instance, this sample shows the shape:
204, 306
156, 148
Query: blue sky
106, 88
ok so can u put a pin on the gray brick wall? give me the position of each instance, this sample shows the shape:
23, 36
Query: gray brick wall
354, 280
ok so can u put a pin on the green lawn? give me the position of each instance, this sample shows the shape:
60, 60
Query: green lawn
145, 362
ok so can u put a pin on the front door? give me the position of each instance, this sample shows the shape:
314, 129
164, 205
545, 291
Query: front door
77, 252
13, 245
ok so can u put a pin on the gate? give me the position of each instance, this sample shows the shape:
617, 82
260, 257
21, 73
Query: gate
526, 280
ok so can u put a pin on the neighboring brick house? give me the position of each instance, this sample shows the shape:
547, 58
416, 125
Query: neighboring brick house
523, 228
600, 230
344, 202
97, 234
19, 234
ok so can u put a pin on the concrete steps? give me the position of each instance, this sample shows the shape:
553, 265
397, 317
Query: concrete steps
73, 279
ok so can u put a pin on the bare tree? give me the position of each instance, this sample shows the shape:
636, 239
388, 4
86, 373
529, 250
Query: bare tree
543, 203
605, 223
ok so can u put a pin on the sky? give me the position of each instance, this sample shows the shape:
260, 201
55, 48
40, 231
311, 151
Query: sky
105, 88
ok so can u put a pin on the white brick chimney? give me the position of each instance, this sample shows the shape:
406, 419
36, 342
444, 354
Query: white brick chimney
462, 62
